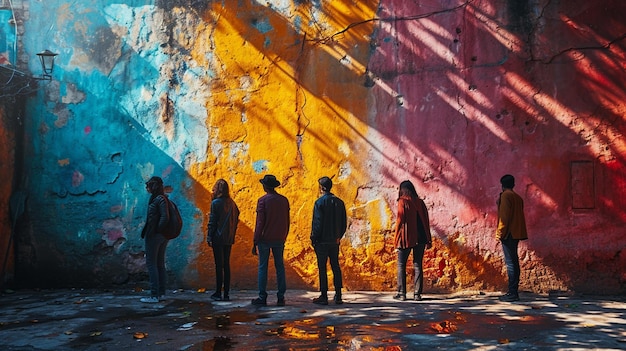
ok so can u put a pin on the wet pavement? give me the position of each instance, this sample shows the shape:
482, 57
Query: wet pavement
189, 320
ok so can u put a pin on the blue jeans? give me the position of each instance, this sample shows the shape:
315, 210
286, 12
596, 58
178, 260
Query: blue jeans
324, 253
509, 246
155, 262
403, 257
221, 253
264, 256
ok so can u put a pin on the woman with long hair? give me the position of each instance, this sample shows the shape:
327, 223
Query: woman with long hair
412, 234
223, 221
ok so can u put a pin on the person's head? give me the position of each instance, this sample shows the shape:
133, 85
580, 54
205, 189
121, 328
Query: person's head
220, 189
154, 185
407, 189
269, 182
507, 181
325, 184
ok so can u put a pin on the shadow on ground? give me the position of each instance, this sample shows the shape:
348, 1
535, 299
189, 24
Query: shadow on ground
190, 320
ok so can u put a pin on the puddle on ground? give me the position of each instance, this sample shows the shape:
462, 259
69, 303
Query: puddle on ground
316, 334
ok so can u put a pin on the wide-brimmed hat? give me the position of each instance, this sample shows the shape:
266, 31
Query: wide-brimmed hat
269, 181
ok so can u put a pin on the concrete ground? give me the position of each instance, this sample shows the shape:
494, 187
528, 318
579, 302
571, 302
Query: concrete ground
188, 320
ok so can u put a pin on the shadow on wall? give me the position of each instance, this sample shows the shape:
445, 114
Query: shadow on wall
442, 118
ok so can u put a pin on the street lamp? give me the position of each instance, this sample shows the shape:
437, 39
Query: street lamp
47, 63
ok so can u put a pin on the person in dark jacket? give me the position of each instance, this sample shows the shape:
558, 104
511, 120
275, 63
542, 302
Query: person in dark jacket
155, 242
270, 234
412, 234
329, 226
511, 229
223, 221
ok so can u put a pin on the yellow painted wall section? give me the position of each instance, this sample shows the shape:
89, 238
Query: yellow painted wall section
279, 105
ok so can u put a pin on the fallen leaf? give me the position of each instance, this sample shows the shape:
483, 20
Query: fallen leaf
140, 335
202, 290
186, 326
445, 327
96, 333
69, 332
503, 341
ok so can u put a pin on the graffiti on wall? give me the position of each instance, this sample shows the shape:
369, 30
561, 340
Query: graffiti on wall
451, 95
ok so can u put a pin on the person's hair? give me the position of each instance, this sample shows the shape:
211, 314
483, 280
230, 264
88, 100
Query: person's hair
507, 181
326, 183
220, 189
407, 189
155, 185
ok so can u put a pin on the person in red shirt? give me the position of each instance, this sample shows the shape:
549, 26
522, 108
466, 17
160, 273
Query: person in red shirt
270, 234
412, 235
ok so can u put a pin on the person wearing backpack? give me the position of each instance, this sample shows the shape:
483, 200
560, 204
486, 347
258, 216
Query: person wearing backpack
223, 221
155, 243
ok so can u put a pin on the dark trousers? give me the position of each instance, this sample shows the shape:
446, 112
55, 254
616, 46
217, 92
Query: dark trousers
509, 246
155, 262
418, 257
324, 253
221, 253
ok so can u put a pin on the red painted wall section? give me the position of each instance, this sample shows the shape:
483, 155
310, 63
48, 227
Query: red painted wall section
469, 91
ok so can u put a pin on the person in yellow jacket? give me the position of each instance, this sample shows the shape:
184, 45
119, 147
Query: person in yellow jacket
511, 229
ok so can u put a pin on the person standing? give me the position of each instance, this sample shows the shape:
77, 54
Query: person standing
329, 226
155, 242
412, 234
223, 221
511, 229
270, 234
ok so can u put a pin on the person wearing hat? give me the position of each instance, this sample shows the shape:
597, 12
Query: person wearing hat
511, 229
155, 242
329, 226
270, 234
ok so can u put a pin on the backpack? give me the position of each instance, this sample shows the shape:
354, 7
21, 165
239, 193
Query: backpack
175, 223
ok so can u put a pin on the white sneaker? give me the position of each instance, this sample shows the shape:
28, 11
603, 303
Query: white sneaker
151, 299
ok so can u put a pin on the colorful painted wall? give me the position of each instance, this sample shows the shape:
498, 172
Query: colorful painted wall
449, 94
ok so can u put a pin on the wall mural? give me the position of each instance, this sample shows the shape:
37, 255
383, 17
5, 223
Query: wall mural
448, 94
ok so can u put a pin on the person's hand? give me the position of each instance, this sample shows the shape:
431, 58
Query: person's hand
254, 250
210, 243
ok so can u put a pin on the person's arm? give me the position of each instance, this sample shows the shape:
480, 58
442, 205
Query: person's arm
259, 225
505, 213
164, 213
343, 219
316, 224
426, 224
213, 221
